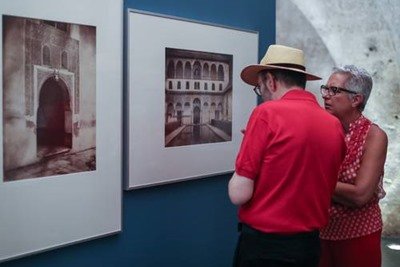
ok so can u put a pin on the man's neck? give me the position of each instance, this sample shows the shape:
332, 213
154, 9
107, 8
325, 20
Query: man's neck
283, 90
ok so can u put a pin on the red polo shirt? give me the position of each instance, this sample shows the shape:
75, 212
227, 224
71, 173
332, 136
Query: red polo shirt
292, 149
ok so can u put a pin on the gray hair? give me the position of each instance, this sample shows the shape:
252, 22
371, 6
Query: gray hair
359, 81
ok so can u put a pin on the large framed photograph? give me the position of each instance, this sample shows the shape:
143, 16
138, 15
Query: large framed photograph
47, 96
186, 101
61, 151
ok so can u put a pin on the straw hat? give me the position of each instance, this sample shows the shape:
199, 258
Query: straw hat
278, 57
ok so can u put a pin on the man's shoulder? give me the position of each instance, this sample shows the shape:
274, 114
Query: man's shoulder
329, 119
270, 105
266, 109
282, 105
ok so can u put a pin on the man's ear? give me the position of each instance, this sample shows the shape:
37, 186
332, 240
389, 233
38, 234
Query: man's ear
271, 82
357, 100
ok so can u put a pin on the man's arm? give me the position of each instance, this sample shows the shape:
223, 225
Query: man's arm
369, 174
240, 189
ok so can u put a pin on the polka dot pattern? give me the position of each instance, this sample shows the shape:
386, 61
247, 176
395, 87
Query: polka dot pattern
346, 222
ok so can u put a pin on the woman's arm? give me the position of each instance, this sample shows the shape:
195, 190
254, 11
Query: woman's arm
368, 176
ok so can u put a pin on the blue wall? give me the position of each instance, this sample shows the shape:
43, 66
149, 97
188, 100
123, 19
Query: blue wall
184, 224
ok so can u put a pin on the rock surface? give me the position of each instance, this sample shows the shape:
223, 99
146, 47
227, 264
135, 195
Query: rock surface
364, 33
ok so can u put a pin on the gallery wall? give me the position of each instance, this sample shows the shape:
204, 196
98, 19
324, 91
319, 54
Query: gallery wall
189, 223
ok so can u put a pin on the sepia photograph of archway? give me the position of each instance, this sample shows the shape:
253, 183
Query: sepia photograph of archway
198, 97
49, 98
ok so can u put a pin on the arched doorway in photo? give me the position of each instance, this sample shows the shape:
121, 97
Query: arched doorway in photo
54, 118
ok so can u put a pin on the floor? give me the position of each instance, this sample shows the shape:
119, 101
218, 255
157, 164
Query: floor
390, 258
55, 165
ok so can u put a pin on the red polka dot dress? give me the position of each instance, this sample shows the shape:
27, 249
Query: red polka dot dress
346, 222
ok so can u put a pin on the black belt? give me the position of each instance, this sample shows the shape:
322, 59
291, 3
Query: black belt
244, 228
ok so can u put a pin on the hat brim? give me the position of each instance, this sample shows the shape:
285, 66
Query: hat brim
250, 74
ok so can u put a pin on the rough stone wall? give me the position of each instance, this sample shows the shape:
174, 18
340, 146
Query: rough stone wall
85, 110
364, 33
16, 134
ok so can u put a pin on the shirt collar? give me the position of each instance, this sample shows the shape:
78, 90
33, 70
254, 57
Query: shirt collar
296, 93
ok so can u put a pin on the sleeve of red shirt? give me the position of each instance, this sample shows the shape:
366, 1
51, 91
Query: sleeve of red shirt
254, 145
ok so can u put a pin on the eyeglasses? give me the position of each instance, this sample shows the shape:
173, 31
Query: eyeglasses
257, 90
333, 90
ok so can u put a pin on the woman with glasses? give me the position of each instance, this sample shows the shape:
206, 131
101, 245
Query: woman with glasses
353, 235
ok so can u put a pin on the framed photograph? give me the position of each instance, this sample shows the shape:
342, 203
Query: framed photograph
192, 117
186, 101
61, 151
49, 100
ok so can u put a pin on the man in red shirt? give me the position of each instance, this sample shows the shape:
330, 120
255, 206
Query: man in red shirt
287, 166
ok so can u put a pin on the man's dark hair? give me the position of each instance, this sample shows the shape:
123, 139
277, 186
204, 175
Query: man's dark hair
289, 78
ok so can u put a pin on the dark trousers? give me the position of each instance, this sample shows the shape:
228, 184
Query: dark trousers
258, 249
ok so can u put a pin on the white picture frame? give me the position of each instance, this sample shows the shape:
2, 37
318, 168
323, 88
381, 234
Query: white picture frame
149, 160
48, 211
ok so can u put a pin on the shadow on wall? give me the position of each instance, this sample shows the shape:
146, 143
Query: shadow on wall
317, 56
